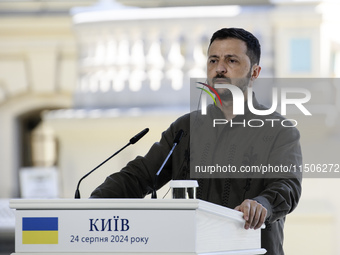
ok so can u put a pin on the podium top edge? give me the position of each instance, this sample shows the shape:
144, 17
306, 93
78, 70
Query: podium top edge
124, 204
102, 204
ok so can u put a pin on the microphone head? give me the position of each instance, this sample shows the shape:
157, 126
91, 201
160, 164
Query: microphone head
136, 138
178, 136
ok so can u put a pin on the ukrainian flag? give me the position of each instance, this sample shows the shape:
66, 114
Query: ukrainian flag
43, 230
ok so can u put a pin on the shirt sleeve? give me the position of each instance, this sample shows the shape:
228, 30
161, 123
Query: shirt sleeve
281, 195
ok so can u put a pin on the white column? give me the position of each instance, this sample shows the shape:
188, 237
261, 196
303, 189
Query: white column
155, 61
137, 63
122, 63
175, 61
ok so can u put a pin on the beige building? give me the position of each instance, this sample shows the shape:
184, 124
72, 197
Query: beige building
79, 78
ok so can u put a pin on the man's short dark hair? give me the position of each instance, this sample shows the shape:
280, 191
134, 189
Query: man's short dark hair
253, 45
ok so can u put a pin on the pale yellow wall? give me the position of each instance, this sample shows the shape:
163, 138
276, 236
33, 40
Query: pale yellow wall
313, 228
37, 55
37, 70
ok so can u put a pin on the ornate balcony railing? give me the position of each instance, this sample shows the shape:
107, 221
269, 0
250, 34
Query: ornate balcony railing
133, 57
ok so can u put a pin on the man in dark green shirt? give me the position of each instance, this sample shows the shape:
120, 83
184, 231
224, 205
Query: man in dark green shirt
233, 58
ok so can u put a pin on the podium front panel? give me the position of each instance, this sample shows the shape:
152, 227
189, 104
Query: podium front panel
131, 227
105, 231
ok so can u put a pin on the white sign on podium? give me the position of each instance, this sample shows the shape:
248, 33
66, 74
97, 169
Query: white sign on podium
131, 226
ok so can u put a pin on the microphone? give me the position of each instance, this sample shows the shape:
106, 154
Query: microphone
133, 140
175, 143
136, 138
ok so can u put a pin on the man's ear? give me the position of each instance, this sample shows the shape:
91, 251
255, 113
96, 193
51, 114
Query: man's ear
256, 69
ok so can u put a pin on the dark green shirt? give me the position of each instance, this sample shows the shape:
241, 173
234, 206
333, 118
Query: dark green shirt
238, 145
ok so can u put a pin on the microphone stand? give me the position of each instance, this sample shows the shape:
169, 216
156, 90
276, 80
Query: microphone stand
133, 140
77, 194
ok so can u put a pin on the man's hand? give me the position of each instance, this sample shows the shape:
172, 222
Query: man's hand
253, 212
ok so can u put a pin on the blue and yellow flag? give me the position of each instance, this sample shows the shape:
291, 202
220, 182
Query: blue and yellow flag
40, 230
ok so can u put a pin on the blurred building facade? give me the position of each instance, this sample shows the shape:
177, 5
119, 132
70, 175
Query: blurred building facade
79, 78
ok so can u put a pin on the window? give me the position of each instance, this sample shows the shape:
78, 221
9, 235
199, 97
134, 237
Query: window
300, 55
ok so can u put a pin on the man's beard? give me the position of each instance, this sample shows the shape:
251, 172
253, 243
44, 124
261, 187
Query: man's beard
225, 94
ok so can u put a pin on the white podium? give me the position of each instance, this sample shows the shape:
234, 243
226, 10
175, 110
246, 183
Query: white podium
131, 227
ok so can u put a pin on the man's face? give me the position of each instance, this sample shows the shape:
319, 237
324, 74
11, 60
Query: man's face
228, 63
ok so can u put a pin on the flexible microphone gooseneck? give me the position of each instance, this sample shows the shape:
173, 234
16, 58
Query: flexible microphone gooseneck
175, 143
133, 140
